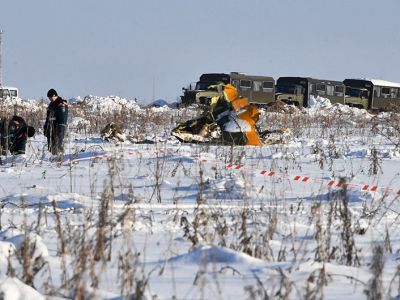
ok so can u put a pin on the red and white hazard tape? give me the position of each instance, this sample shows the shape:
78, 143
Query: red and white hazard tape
298, 178
330, 183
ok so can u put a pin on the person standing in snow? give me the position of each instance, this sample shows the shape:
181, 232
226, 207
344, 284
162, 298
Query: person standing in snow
56, 123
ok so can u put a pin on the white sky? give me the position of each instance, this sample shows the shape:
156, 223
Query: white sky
132, 48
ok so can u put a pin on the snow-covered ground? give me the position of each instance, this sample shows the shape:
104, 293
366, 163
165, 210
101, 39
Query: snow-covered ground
315, 218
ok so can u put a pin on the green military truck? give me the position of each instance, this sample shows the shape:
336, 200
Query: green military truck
257, 89
297, 90
372, 94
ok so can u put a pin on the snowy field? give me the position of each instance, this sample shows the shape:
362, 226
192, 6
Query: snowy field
151, 218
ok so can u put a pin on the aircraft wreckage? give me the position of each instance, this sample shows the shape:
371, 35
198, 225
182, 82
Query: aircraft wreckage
229, 120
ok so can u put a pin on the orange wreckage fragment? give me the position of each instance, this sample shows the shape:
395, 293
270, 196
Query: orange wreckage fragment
246, 112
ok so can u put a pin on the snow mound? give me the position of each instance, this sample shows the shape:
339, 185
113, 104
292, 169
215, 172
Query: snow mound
6, 250
159, 109
105, 104
319, 102
14, 289
234, 188
26, 105
35, 241
214, 254
64, 201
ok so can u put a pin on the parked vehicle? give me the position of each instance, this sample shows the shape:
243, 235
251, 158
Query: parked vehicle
297, 90
205, 82
7, 92
362, 93
258, 89
372, 94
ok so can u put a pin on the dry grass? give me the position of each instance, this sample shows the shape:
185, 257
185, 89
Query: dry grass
250, 229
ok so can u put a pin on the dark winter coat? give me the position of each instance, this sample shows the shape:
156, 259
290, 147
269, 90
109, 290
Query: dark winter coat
55, 126
14, 135
17, 134
57, 114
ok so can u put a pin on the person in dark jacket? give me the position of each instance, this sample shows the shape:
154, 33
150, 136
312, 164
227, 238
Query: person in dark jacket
14, 135
56, 122
3, 135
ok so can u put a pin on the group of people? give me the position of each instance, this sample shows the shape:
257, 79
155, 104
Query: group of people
231, 119
15, 131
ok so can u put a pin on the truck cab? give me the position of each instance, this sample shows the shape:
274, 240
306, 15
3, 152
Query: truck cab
290, 94
297, 90
205, 85
8, 93
374, 94
258, 89
357, 97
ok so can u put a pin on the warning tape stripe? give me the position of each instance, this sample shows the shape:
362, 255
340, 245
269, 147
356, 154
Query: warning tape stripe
331, 183
298, 178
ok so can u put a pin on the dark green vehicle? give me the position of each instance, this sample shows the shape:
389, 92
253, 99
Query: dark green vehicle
205, 83
257, 89
297, 90
372, 94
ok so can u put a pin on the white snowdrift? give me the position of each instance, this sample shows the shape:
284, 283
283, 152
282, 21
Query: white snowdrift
214, 254
36, 242
235, 188
64, 201
318, 104
25, 105
14, 289
6, 250
105, 104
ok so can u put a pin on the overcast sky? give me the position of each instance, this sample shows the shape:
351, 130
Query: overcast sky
150, 49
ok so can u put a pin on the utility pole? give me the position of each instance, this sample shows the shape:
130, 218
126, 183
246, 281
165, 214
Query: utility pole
154, 88
1, 77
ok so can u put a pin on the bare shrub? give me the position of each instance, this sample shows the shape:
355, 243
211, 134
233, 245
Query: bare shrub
316, 282
103, 227
348, 247
374, 288
376, 165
